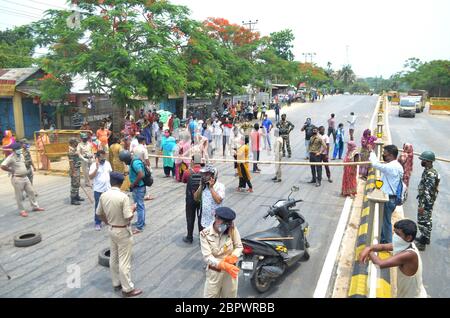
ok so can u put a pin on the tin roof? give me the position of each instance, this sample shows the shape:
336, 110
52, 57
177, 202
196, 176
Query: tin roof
17, 74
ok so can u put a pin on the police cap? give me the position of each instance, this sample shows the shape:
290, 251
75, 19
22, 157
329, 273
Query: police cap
225, 214
116, 177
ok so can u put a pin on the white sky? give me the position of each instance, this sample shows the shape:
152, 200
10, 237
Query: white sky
380, 34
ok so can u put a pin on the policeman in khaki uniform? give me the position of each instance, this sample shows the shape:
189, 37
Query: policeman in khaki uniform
15, 165
114, 209
221, 246
84, 150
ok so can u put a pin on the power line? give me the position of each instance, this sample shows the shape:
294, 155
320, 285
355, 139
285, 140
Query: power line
17, 13
47, 4
250, 23
25, 6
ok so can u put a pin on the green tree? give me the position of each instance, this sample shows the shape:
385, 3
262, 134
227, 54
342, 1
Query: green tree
346, 75
282, 43
16, 47
433, 76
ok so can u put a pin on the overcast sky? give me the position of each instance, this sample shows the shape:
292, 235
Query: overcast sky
380, 34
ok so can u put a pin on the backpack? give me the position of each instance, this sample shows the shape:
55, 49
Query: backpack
148, 179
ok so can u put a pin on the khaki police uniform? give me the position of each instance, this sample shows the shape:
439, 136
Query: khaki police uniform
85, 152
215, 247
20, 180
114, 205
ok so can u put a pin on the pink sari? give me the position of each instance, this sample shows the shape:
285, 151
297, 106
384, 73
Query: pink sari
349, 184
406, 159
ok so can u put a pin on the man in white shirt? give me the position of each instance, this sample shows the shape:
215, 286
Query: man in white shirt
392, 174
352, 123
134, 142
99, 174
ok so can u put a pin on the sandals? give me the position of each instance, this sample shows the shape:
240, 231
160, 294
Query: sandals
23, 213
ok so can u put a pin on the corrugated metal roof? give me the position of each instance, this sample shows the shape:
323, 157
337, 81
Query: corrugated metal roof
17, 74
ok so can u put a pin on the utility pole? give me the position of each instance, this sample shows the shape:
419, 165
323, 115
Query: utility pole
250, 24
346, 54
310, 54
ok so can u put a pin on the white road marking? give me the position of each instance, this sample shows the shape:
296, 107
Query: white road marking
330, 260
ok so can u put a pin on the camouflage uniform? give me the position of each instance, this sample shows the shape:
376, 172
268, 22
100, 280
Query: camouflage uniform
428, 190
28, 164
285, 128
75, 173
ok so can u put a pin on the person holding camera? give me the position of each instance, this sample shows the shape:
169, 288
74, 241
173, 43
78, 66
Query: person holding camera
210, 194
99, 173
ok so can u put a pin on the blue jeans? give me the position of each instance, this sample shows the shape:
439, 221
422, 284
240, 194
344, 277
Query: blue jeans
97, 199
386, 230
307, 142
277, 116
138, 197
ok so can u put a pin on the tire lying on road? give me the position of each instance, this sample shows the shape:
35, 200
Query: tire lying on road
27, 239
103, 257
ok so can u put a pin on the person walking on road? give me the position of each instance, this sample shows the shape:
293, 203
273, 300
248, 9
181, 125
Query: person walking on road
263, 111
349, 182
28, 160
226, 127
285, 128
392, 175
339, 142
428, 190
405, 256
115, 211
325, 153
192, 206
84, 150
276, 107
99, 173
332, 127
256, 146
267, 124
308, 129
217, 133
243, 167
136, 174
352, 123
210, 194
15, 165
278, 151
316, 148
221, 247
74, 171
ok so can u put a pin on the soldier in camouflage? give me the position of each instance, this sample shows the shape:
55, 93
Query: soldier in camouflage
428, 190
74, 172
285, 127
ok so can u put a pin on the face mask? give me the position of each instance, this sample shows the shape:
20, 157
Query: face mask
102, 161
222, 228
18, 152
399, 244
84, 140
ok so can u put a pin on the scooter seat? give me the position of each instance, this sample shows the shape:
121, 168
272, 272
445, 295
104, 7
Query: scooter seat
271, 233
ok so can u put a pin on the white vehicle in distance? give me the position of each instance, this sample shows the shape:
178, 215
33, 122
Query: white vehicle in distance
407, 106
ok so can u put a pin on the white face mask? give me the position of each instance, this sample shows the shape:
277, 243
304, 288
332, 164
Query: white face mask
399, 244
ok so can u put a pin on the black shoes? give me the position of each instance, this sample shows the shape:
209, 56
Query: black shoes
422, 242
318, 184
79, 198
74, 202
187, 240
312, 181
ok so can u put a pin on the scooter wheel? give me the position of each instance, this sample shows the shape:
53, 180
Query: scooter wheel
260, 285
305, 256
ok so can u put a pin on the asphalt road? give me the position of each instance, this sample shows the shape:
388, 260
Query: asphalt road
163, 266
429, 132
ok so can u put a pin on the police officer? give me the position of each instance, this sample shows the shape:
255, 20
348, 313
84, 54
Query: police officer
15, 165
74, 172
428, 190
85, 152
221, 246
114, 209
285, 128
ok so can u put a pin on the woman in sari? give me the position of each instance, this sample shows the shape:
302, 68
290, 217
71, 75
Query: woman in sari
168, 146
42, 140
182, 165
367, 142
406, 159
243, 168
349, 184
7, 141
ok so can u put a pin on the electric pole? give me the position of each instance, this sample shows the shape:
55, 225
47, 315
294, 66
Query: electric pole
250, 24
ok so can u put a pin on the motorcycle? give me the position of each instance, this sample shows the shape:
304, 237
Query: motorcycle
268, 254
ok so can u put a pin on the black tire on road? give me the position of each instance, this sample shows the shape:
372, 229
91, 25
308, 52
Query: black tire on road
27, 239
261, 286
103, 257
305, 256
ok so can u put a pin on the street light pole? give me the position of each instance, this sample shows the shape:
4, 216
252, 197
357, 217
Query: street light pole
250, 23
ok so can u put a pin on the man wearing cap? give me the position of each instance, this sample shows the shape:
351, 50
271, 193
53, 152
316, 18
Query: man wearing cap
114, 209
210, 194
84, 150
15, 164
221, 247
428, 190
74, 172
192, 206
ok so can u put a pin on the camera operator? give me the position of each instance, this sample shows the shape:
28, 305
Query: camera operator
211, 195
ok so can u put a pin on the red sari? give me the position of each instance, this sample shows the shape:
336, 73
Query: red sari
349, 182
